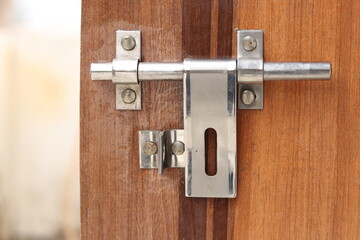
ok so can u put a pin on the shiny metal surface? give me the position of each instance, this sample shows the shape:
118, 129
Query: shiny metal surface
210, 102
123, 68
174, 159
177, 148
127, 69
250, 63
128, 96
160, 71
101, 71
148, 160
150, 148
119, 71
126, 103
122, 53
175, 71
248, 97
123, 71
163, 157
249, 43
250, 68
297, 71
125, 65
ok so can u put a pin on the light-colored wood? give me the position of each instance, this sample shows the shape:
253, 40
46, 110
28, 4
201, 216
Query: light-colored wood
298, 159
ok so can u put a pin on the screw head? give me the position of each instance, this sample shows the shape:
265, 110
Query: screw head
178, 148
128, 43
150, 148
249, 43
128, 96
248, 97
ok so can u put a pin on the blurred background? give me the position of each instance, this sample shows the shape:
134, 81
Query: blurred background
39, 119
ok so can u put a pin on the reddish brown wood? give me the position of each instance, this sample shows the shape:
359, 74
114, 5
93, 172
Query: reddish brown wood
298, 159
196, 16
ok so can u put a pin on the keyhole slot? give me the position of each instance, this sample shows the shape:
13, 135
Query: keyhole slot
210, 152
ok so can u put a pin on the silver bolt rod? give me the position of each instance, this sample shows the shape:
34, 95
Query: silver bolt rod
297, 70
160, 71
272, 71
175, 71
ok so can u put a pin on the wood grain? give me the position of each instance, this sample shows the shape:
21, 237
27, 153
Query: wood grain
118, 200
298, 159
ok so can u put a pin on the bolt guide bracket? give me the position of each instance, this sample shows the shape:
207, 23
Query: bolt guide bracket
213, 90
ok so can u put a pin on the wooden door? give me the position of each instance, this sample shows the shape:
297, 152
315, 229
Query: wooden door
298, 159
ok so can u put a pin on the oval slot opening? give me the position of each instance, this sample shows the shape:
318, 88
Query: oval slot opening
210, 152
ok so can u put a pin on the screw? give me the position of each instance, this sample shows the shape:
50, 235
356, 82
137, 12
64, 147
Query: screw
128, 43
248, 97
178, 148
150, 148
249, 43
128, 96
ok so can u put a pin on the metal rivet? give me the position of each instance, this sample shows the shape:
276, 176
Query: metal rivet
249, 43
128, 96
150, 148
128, 43
248, 97
178, 148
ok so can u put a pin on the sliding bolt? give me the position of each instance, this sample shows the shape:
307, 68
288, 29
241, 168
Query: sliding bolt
249, 43
248, 97
128, 43
150, 148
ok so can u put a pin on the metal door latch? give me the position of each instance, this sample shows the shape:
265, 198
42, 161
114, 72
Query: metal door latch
213, 90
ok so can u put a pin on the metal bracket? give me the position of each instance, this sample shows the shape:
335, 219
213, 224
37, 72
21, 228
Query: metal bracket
210, 103
212, 89
123, 70
250, 65
162, 149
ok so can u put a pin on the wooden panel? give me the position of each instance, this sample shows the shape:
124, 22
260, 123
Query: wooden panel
299, 158
118, 200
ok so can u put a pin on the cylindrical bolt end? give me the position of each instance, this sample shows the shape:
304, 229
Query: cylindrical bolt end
297, 70
101, 71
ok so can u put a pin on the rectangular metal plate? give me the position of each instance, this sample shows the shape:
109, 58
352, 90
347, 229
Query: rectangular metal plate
257, 89
135, 53
210, 102
121, 53
250, 68
149, 161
